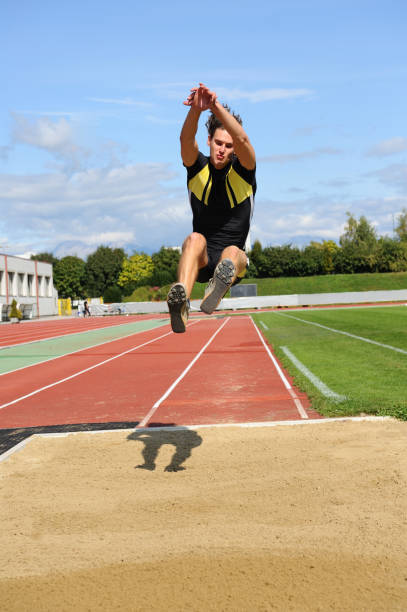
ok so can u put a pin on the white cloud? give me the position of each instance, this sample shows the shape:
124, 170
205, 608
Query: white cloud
142, 207
111, 238
71, 114
43, 133
394, 175
179, 90
284, 158
388, 147
131, 206
25, 255
56, 137
306, 130
263, 95
161, 120
121, 102
301, 220
337, 183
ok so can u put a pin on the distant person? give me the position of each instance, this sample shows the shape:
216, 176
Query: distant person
86, 311
221, 190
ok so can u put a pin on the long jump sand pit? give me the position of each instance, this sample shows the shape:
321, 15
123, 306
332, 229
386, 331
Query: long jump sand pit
305, 517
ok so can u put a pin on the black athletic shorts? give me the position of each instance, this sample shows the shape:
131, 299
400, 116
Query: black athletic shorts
206, 273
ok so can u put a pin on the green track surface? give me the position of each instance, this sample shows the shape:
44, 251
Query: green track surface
24, 355
371, 377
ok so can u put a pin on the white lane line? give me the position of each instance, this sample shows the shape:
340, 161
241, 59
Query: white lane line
339, 331
175, 383
96, 365
287, 385
80, 350
264, 325
317, 382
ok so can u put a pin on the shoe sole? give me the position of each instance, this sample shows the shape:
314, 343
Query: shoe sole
177, 300
223, 276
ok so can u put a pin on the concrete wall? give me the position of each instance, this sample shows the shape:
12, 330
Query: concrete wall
28, 282
315, 299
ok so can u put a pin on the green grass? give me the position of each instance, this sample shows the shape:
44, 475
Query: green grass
335, 283
372, 378
332, 283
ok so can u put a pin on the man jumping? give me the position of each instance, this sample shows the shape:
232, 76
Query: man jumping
221, 190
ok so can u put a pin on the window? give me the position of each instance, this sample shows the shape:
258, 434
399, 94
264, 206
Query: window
31, 284
11, 287
2, 283
41, 286
22, 289
48, 290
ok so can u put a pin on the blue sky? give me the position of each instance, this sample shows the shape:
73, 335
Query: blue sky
91, 110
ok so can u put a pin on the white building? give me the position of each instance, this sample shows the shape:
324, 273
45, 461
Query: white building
29, 283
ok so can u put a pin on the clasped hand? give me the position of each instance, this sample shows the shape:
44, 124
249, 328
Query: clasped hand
201, 97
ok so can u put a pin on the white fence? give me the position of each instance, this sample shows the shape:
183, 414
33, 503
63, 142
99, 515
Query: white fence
269, 301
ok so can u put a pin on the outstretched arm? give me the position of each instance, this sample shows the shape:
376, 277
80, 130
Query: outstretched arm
189, 146
198, 100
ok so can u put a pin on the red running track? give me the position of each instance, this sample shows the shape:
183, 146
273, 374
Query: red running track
217, 372
33, 331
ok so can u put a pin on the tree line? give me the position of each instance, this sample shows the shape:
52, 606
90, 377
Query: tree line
110, 273
113, 274
360, 249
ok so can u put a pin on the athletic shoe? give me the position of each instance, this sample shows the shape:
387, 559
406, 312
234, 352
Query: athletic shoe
218, 285
178, 305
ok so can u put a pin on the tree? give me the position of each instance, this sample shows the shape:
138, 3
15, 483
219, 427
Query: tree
328, 249
311, 262
103, 268
256, 251
280, 261
45, 256
256, 260
391, 255
15, 313
136, 270
359, 243
112, 295
69, 277
401, 229
165, 266
358, 233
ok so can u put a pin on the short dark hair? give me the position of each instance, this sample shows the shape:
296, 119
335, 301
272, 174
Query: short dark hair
213, 122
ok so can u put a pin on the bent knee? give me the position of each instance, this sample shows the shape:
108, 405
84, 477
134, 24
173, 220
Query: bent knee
195, 241
234, 253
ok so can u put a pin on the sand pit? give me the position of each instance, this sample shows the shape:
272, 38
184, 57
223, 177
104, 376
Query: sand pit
305, 517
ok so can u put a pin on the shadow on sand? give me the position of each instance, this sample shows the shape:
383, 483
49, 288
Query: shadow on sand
157, 435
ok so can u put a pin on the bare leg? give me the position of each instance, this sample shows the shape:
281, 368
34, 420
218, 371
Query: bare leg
232, 262
194, 257
238, 257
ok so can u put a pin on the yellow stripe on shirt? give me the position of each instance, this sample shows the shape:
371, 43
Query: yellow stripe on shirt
240, 187
198, 183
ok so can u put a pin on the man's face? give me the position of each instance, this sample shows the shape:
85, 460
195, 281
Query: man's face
220, 148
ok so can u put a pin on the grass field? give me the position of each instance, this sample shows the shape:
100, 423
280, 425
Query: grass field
334, 283
349, 361
330, 283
